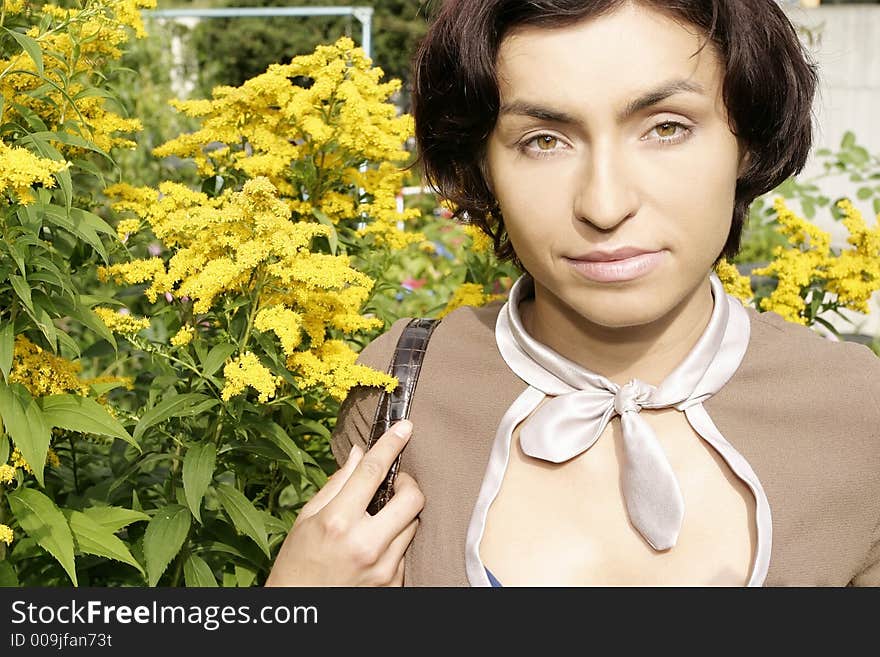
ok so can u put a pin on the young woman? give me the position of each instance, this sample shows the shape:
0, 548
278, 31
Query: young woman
619, 419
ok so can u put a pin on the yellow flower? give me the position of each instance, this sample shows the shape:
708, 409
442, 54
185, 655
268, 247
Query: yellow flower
852, 276
468, 294
52, 459
18, 461
44, 373
13, 6
7, 474
333, 366
247, 370
734, 283
480, 242
183, 337
127, 226
286, 324
121, 322
6, 534
20, 170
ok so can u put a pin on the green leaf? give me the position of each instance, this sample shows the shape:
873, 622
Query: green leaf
272, 432
849, 140
74, 222
198, 470
244, 576
174, 406
93, 538
333, 237
306, 425
114, 518
244, 515
216, 357
44, 323
23, 290
876, 205
809, 208
24, 422
8, 576
78, 413
864, 193
69, 139
163, 539
88, 318
197, 573
4, 448
7, 347
30, 46
45, 523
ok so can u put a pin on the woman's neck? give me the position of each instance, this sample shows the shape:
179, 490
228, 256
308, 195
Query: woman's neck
649, 352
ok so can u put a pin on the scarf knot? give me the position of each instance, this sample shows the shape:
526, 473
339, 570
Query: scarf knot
631, 396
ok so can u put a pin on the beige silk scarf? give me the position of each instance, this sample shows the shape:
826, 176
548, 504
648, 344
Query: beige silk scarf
583, 403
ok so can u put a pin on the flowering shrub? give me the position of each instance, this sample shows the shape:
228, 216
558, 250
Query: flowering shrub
811, 277
217, 367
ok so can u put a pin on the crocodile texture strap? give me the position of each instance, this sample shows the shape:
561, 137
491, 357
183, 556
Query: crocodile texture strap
405, 365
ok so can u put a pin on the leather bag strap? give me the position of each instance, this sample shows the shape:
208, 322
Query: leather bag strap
395, 406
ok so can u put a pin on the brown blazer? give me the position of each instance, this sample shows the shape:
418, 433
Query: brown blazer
804, 411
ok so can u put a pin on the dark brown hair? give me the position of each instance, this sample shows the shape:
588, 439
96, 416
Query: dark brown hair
768, 89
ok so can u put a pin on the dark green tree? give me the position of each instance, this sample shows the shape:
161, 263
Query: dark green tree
229, 51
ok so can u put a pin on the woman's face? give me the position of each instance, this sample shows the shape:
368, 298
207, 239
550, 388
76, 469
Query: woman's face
579, 167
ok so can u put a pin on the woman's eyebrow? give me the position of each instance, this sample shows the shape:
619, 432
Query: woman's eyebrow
647, 99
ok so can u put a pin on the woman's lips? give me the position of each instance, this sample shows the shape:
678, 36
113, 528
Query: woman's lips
612, 271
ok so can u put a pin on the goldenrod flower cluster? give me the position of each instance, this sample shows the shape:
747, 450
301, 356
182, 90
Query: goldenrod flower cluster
468, 294
7, 474
44, 373
853, 274
333, 367
308, 126
6, 534
119, 322
183, 337
11, 7
247, 370
18, 461
480, 242
734, 283
73, 56
20, 170
244, 244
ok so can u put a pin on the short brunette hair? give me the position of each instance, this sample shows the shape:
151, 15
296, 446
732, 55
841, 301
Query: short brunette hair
768, 89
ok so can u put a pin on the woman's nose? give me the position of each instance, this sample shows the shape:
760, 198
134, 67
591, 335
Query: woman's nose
605, 192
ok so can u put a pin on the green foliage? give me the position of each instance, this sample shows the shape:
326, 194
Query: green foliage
229, 51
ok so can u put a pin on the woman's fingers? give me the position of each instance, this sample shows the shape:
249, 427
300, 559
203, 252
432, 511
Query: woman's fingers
352, 500
333, 485
406, 503
389, 567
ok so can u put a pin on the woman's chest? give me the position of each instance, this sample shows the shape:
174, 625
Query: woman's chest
566, 524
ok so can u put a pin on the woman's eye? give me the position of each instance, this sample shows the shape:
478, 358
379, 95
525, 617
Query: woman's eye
546, 142
545, 145
671, 132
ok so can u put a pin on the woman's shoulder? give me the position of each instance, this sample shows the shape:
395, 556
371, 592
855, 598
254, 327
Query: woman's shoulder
792, 356
779, 338
468, 331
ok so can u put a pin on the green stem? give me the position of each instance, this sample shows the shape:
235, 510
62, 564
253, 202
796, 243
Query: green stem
252, 314
73, 463
178, 568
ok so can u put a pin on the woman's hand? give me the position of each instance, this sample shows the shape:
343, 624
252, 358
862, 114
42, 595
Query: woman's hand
335, 542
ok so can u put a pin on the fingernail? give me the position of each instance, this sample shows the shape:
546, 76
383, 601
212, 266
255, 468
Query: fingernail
403, 428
